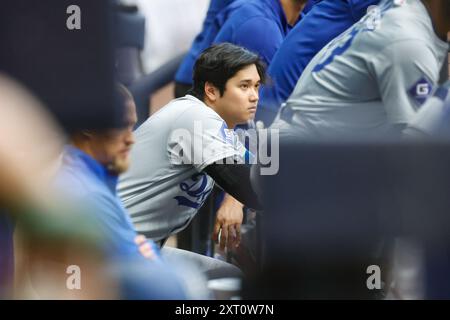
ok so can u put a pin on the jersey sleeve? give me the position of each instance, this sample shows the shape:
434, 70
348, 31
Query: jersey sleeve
406, 74
434, 117
201, 138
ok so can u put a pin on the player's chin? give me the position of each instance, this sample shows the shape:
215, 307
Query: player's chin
121, 165
250, 115
244, 120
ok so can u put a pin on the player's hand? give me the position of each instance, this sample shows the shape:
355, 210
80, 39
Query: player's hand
228, 223
145, 248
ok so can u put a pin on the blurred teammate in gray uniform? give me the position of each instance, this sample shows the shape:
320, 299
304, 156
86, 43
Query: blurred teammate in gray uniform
370, 80
186, 146
433, 119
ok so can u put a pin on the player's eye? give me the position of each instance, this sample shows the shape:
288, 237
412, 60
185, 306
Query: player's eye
244, 86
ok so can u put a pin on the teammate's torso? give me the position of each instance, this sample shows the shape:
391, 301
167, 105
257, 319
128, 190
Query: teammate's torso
339, 90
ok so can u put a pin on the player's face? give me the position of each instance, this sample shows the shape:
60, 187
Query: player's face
440, 10
239, 101
112, 147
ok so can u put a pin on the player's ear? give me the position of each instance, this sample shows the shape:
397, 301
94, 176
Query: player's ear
211, 92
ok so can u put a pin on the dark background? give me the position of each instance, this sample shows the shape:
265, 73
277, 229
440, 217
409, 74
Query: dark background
71, 71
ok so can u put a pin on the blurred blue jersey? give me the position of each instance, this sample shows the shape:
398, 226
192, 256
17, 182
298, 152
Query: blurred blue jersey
84, 179
258, 25
204, 39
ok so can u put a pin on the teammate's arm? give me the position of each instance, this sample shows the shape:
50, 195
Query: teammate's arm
406, 74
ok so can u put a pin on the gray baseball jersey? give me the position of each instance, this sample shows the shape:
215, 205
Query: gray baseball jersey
165, 186
374, 75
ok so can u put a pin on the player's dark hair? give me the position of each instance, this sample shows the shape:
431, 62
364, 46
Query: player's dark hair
122, 96
219, 63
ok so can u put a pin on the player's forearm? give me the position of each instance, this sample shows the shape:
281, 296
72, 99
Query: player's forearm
235, 180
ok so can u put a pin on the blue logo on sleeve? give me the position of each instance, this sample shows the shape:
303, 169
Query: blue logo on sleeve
195, 190
421, 90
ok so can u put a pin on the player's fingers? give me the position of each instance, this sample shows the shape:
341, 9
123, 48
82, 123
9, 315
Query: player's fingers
215, 236
231, 237
238, 235
223, 237
149, 255
140, 239
145, 248
147, 251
